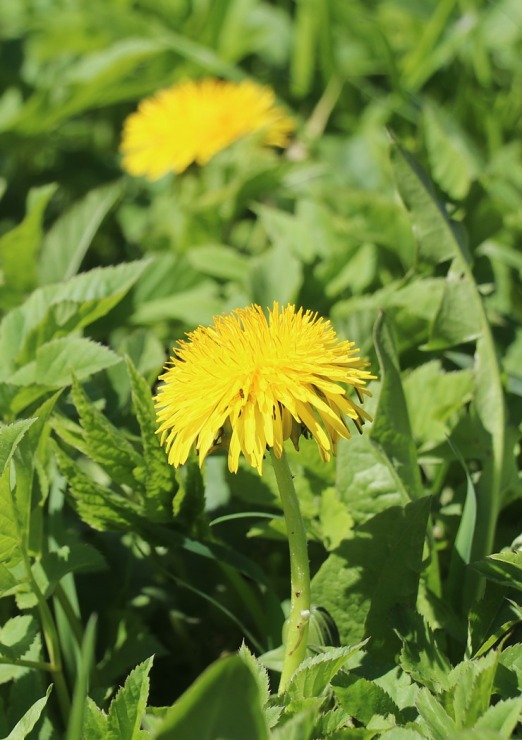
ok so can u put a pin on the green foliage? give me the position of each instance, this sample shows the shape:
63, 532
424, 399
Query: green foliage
396, 213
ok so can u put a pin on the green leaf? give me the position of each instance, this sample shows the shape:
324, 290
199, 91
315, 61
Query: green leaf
56, 310
503, 568
18, 248
453, 163
86, 660
160, 482
98, 506
363, 699
59, 360
10, 437
298, 727
258, 671
12, 535
372, 573
459, 318
314, 674
508, 679
432, 415
391, 429
502, 718
128, 706
68, 240
29, 720
422, 656
224, 702
275, 275
16, 636
437, 721
470, 687
103, 442
94, 721
219, 261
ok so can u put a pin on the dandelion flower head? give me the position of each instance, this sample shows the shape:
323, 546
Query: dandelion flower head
193, 121
248, 383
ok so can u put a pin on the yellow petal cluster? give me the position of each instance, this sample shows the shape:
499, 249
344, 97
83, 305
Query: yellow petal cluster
193, 121
248, 383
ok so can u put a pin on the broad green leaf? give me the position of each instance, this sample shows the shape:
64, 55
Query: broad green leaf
335, 519
314, 674
391, 429
275, 275
502, 718
367, 481
160, 482
453, 163
423, 658
19, 247
10, 437
432, 415
105, 443
504, 568
68, 240
224, 702
219, 261
128, 706
54, 311
435, 718
16, 636
59, 360
373, 572
29, 720
362, 699
459, 317
298, 727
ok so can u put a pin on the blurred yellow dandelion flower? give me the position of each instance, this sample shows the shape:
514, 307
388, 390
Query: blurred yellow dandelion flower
193, 121
248, 383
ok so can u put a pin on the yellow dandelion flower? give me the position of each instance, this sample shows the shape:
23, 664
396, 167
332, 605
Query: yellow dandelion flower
248, 383
193, 121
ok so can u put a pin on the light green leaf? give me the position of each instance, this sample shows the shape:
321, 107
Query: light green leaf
11, 534
94, 721
224, 702
459, 318
10, 437
391, 429
59, 360
18, 248
128, 706
454, 165
314, 674
275, 275
16, 636
56, 310
258, 671
437, 721
470, 687
502, 718
298, 727
29, 720
68, 240
219, 261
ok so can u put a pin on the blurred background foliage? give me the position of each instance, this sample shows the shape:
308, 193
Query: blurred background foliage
323, 225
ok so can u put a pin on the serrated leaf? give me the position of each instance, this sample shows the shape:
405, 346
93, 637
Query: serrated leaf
438, 722
29, 720
128, 706
298, 727
59, 360
10, 437
314, 674
94, 721
258, 671
223, 702
66, 243
98, 506
160, 481
391, 429
56, 310
105, 443
502, 718
470, 687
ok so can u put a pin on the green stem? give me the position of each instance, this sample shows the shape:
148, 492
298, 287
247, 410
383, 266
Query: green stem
296, 640
36, 665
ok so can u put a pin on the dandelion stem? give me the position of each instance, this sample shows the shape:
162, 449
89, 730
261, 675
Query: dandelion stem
296, 640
